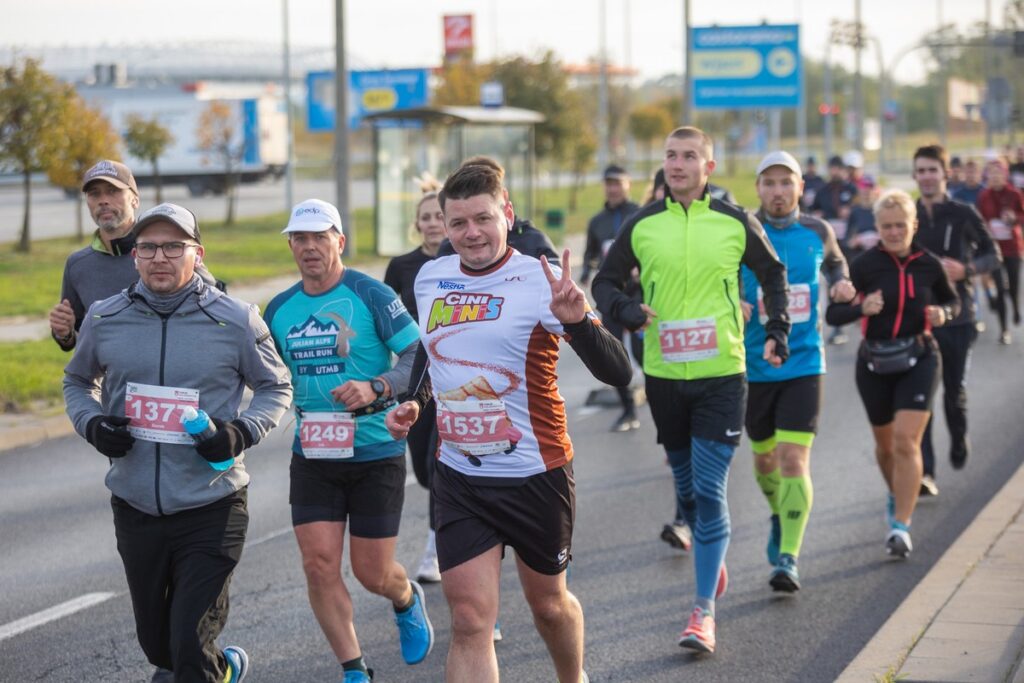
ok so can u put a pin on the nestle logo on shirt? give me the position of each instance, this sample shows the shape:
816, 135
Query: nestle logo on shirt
447, 284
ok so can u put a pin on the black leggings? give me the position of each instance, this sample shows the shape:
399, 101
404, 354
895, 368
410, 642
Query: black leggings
955, 347
1007, 281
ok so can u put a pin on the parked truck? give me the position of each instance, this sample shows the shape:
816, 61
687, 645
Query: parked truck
260, 125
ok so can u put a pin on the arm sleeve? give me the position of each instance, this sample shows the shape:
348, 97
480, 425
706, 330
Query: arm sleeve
612, 278
419, 378
603, 354
834, 266
986, 256
844, 313
398, 376
265, 373
760, 257
82, 381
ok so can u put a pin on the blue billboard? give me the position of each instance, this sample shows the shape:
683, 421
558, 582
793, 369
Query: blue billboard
368, 92
747, 67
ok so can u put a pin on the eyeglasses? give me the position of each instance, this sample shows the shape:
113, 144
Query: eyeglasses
147, 250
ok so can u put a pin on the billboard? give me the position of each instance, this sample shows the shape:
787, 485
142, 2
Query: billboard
458, 34
747, 67
368, 92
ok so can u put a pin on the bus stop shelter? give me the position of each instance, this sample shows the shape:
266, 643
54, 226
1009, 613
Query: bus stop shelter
434, 140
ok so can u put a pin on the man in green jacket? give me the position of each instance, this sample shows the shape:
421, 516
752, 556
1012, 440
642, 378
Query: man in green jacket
688, 249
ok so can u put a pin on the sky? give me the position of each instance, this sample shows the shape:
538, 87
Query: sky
644, 34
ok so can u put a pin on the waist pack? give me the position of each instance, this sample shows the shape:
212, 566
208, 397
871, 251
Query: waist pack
892, 356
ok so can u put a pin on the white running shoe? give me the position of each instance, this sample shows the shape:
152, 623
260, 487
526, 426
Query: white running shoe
897, 543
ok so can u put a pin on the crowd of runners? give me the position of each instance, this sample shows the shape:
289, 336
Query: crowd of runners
453, 357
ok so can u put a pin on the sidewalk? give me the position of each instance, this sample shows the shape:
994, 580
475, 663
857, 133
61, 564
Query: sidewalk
965, 620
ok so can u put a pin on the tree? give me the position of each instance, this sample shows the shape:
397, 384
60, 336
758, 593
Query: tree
460, 83
148, 139
32, 107
217, 135
649, 123
87, 137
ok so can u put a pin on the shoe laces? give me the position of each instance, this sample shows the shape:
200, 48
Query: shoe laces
698, 618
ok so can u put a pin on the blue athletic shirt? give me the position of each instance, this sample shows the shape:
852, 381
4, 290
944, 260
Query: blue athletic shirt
807, 246
348, 332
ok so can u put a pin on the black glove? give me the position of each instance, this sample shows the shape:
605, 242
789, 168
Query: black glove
109, 435
781, 343
230, 440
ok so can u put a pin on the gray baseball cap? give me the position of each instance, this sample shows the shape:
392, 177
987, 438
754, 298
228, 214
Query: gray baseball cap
779, 158
170, 213
113, 172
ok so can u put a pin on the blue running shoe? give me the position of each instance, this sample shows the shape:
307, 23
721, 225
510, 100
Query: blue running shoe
358, 676
890, 510
238, 662
785, 577
415, 632
774, 541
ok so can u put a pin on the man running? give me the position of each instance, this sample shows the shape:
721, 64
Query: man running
490, 323
336, 330
783, 403
955, 233
689, 249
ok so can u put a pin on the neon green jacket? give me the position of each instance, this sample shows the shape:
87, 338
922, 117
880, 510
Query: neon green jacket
689, 263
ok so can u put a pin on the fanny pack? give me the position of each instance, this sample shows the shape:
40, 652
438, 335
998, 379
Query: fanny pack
892, 356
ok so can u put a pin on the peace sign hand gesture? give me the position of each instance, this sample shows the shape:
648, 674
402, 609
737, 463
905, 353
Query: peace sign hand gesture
568, 302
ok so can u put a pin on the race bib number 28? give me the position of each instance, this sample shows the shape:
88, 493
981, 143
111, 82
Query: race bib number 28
155, 412
798, 306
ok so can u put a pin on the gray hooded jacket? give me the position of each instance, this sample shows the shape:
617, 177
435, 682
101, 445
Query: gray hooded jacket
212, 343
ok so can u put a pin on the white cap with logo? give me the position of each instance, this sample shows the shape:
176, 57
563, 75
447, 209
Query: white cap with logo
779, 158
313, 215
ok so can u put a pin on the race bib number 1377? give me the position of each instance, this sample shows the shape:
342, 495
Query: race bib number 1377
155, 412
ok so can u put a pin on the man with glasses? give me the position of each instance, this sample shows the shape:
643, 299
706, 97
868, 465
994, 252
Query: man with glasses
105, 266
168, 343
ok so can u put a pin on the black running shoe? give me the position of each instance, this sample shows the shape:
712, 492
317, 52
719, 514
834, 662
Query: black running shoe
958, 453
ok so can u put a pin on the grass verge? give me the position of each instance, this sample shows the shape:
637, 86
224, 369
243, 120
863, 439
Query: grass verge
31, 374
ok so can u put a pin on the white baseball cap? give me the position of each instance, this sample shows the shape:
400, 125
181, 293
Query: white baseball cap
853, 159
313, 215
779, 158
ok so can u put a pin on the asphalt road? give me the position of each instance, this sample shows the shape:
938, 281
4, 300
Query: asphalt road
53, 214
57, 541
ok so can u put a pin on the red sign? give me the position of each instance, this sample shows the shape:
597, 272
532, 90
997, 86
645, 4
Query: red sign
458, 34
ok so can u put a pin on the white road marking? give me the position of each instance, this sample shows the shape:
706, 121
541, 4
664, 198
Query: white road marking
52, 614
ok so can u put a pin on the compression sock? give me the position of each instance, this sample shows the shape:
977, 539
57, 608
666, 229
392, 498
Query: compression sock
400, 609
796, 496
357, 664
769, 484
711, 533
682, 474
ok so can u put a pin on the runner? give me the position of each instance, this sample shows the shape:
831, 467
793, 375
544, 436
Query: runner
783, 403
689, 249
834, 202
903, 292
1002, 207
401, 276
955, 233
336, 330
490, 327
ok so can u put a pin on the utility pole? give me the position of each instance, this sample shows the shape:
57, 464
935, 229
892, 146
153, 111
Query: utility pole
341, 153
858, 86
687, 63
289, 174
602, 87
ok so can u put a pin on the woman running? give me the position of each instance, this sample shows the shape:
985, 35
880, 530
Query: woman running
1002, 207
903, 292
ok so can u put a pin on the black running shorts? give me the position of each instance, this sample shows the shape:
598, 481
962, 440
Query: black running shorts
914, 389
709, 409
792, 405
534, 518
368, 495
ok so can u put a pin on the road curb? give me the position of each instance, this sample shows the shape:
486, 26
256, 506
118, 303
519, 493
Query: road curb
894, 641
33, 431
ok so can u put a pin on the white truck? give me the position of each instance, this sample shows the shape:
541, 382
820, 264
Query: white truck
258, 118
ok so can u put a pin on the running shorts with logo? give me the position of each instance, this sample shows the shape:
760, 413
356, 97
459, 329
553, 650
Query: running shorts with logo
914, 389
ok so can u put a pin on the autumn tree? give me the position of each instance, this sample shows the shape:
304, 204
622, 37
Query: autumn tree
87, 137
148, 139
219, 138
460, 83
648, 124
32, 110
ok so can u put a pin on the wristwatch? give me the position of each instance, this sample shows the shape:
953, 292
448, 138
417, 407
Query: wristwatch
378, 386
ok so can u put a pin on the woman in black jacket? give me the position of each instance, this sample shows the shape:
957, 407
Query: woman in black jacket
903, 292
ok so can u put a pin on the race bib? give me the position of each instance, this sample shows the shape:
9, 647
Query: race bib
798, 306
155, 412
1000, 230
688, 340
327, 435
839, 227
476, 427
809, 196
605, 246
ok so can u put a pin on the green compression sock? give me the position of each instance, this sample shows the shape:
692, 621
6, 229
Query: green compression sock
796, 496
770, 484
